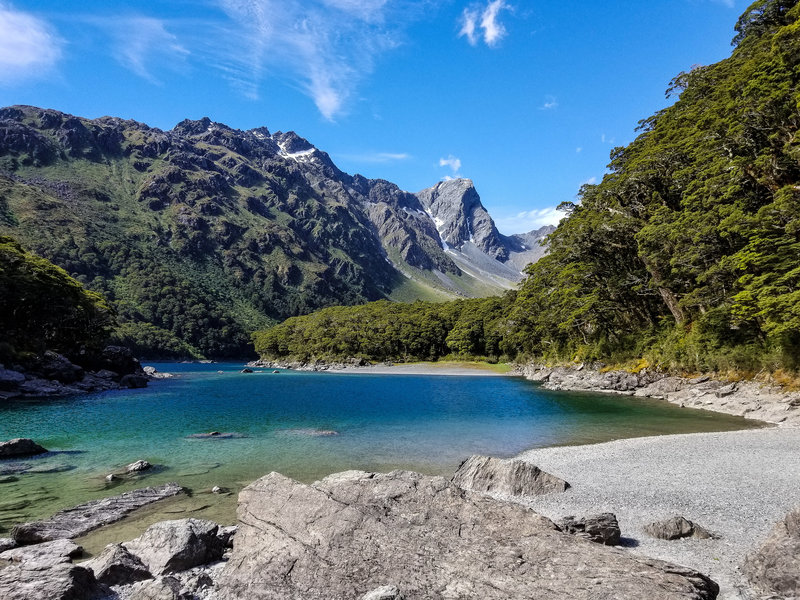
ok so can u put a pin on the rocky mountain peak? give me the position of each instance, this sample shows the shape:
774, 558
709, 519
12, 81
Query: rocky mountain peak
455, 207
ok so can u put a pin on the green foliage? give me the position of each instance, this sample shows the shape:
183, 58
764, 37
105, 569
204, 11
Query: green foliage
43, 308
389, 331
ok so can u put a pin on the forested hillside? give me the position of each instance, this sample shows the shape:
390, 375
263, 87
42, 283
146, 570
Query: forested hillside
688, 251
43, 308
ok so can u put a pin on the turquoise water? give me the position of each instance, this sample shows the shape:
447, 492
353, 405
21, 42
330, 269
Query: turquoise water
425, 423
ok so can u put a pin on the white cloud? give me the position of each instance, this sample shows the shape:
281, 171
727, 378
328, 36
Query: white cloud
452, 162
140, 42
529, 220
578, 150
474, 17
324, 47
550, 103
590, 181
28, 46
469, 20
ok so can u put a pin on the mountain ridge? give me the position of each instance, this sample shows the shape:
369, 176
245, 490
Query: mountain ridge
200, 234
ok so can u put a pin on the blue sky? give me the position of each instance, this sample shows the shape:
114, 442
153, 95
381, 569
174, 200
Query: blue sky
526, 98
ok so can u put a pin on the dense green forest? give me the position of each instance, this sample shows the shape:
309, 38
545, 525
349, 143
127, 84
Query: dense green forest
687, 253
43, 308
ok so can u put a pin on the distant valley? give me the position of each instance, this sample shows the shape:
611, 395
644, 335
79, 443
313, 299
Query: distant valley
202, 234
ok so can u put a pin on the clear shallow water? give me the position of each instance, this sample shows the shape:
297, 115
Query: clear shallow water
425, 423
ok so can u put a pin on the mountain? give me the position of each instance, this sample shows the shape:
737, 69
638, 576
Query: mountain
684, 258
202, 234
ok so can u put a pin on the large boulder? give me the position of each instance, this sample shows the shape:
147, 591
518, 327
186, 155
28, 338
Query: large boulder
174, 546
117, 566
510, 477
354, 533
80, 520
20, 447
602, 528
31, 581
675, 528
775, 567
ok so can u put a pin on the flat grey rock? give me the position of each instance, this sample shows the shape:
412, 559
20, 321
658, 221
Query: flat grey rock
509, 477
174, 546
58, 582
116, 566
775, 567
353, 532
46, 554
20, 447
81, 519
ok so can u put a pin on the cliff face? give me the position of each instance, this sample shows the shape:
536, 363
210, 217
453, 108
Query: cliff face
204, 233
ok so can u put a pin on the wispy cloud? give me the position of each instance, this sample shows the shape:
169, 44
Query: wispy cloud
29, 47
486, 19
529, 220
324, 47
550, 103
604, 139
141, 43
578, 150
452, 162
375, 157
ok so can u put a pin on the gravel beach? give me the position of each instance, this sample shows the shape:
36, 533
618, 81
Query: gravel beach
735, 484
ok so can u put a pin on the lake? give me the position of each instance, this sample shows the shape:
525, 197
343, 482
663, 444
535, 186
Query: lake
304, 425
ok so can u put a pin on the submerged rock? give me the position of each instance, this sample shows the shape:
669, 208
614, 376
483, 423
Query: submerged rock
507, 477
82, 519
216, 435
20, 447
602, 528
675, 528
354, 533
775, 567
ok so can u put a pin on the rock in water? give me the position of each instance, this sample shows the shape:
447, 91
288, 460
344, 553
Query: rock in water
508, 477
602, 528
81, 519
775, 567
138, 466
59, 582
354, 532
46, 554
675, 528
20, 447
173, 546
116, 566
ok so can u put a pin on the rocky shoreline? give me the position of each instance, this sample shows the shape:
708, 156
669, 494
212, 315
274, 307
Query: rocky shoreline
749, 399
55, 375
311, 365
383, 536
